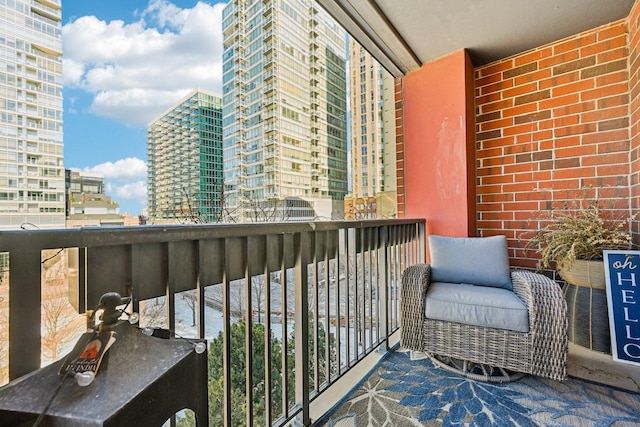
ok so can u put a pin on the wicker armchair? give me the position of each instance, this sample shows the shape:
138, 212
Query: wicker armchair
488, 353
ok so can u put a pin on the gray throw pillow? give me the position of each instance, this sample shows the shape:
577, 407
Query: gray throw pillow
481, 261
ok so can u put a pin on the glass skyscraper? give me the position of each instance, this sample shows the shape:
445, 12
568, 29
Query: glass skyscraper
32, 184
285, 108
184, 149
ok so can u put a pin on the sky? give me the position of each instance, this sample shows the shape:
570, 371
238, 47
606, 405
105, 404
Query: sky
124, 63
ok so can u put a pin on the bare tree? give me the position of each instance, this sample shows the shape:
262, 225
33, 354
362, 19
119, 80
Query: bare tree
191, 300
258, 295
4, 342
153, 312
236, 298
191, 213
61, 324
57, 316
269, 211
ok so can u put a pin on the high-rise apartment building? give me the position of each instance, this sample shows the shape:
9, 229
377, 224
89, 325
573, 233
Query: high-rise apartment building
184, 149
32, 187
373, 138
285, 124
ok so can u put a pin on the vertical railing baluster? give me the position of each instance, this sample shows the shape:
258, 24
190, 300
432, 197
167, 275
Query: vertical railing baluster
409, 247
361, 285
268, 388
347, 297
355, 284
422, 229
337, 303
170, 294
373, 234
382, 291
135, 290
200, 297
171, 324
170, 307
411, 239
25, 298
226, 333
248, 332
327, 313
316, 306
301, 330
287, 244
397, 268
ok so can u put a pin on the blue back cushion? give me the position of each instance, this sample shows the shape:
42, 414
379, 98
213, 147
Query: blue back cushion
481, 261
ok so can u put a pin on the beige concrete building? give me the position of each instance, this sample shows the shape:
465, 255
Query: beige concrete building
31, 163
373, 138
87, 205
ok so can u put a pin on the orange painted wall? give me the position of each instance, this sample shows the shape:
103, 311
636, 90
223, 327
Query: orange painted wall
439, 156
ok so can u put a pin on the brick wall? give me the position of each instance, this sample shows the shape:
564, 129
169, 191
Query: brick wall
634, 113
399, 148
553, 125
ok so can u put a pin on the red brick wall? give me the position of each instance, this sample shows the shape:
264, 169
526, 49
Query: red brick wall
400, 148
634, 93
553, 124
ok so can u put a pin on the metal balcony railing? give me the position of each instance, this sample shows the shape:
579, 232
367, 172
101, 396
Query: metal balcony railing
319, 295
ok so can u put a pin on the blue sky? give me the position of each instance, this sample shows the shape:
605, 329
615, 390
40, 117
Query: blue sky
124, 63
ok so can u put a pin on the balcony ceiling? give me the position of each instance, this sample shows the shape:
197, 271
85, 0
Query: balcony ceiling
404, 34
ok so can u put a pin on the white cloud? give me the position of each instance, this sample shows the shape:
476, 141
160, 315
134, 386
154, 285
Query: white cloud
166, 14
134, 191
121, 170
135, 71
73, 71
142, 104
125, 181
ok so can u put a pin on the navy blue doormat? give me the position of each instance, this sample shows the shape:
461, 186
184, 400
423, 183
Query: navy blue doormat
405, 392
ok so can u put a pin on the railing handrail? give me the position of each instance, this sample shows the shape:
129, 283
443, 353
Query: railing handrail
91, 236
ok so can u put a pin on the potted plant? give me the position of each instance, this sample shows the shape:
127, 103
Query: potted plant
575, 238
579, 234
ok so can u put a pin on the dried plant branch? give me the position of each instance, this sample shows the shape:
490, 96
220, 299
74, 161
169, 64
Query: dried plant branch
580, 233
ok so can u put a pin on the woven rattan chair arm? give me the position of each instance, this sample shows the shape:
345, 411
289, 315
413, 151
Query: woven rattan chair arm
542, 296
547, 321
415, 282
522, 288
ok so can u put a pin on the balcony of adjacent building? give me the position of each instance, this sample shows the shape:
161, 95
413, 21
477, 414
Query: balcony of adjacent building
502, 110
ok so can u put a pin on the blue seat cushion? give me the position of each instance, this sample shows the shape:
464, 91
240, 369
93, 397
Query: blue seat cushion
476, 305
482, 261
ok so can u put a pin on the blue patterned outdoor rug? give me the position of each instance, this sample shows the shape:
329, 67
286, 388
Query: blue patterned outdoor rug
405, 392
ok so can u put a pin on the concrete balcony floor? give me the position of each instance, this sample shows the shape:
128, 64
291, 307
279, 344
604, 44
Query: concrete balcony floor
601, 368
